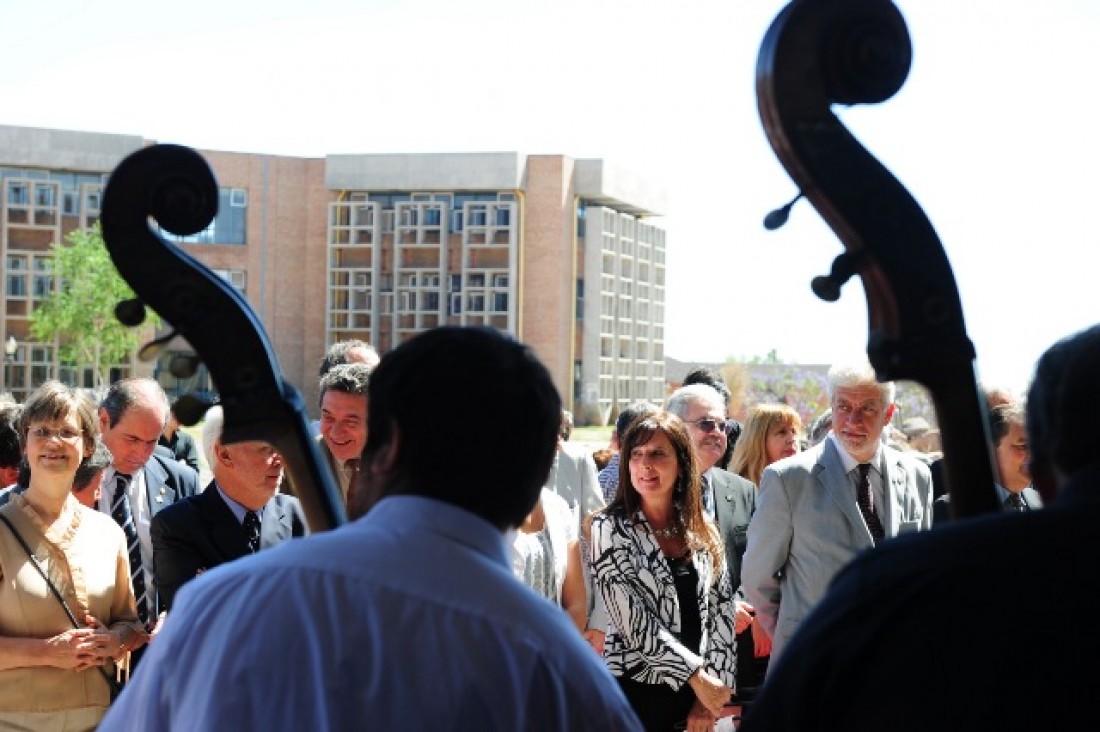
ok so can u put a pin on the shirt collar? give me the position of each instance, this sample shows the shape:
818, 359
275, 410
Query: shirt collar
849, 462
238, 510
413, 514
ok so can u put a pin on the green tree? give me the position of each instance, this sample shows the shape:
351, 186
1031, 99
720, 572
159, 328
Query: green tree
80, 310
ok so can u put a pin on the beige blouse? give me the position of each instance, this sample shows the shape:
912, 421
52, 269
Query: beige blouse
88, 563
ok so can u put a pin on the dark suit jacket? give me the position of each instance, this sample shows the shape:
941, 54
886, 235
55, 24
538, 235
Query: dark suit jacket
201, 532
167, 481
941, 507
734, 505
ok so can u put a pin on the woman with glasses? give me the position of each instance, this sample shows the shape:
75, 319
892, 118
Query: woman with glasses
54, 675
659, 565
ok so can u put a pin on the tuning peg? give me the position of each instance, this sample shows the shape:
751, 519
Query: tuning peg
130, 313
827, 287
190, 409
779, 216
184, 365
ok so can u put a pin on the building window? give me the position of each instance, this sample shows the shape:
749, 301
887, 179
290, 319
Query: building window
16, 284
17, 193
43, 279
228, 227
236, 277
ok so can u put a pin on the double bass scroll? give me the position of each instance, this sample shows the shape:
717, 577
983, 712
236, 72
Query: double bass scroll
818, 53
174, 186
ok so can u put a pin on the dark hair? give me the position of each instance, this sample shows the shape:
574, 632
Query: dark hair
91, 466
127, 393
11, 446
1003, 416
1062, 403
687, 494
349, 378
710, 377
500, 387
631, 413
338, 353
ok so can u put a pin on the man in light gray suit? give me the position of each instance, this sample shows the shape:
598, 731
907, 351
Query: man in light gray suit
818, 509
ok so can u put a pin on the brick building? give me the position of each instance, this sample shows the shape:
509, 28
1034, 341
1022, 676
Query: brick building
555, 250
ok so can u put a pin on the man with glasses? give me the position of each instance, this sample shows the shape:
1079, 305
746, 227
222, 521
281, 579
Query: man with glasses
730, 500
820, 508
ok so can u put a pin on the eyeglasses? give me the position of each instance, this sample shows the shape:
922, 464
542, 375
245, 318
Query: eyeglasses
709, 424
65, 434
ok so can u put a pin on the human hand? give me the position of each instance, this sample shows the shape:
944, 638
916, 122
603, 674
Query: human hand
710, 691
742, 616
595, 639
76, 649
761, 641
700, 719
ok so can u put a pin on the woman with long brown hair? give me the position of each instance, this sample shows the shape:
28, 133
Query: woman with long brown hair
659, 565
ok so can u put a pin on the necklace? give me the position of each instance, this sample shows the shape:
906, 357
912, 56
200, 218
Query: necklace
668, 533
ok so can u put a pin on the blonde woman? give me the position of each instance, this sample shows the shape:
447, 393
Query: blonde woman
771, 433
53, 675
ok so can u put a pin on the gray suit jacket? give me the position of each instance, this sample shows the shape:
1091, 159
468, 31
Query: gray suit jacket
734, 505
807, 526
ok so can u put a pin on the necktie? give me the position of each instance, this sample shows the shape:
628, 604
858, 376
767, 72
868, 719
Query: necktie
252, 531
867, 503
1015, 502
708, 496
124, 517
350, 467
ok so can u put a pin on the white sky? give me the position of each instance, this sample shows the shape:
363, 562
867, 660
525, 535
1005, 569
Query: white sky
993, 133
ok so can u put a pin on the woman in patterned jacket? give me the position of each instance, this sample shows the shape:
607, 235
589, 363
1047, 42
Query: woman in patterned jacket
659, 567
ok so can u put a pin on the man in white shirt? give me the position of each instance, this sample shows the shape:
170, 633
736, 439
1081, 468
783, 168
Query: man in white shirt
410, 617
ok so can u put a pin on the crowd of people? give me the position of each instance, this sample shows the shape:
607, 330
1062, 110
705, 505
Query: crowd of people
666, 578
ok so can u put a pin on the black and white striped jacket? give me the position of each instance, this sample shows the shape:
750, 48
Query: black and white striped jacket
637, 586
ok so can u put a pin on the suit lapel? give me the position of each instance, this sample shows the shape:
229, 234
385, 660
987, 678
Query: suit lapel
224, 530
830, 474
156, 488
276, 525
893, 483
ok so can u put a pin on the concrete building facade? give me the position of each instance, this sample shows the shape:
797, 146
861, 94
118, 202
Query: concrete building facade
554, 250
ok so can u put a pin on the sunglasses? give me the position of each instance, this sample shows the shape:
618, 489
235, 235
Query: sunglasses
709, 424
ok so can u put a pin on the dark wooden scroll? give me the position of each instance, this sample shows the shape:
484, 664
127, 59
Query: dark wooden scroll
174, 187
818, 53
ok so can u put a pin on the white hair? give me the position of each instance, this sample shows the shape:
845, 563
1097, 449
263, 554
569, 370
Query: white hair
854, 375
212, 432
681, 400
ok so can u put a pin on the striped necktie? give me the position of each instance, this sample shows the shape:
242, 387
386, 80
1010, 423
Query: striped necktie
121, 513
1015, 502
